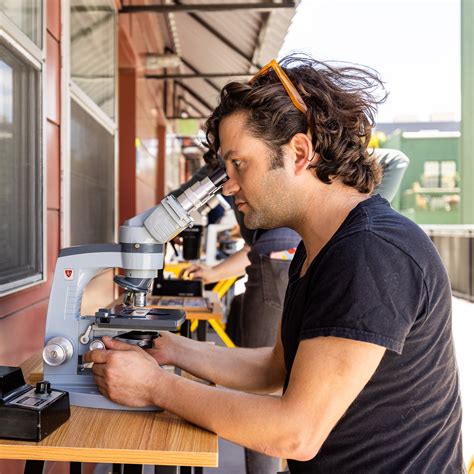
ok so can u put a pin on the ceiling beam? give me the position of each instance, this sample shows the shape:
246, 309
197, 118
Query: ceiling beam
264, 22
195, 95
109, 15
221, 37
206, 7
198, 75
183, 99
195, 70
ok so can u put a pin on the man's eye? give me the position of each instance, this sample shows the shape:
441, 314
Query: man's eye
236, 163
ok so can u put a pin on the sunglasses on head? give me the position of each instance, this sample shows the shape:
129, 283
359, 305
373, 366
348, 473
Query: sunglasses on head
290, 88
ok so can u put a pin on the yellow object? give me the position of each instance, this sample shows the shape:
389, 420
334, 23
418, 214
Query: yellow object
176, 268
221, 333
222, 287
470, 469
377, 140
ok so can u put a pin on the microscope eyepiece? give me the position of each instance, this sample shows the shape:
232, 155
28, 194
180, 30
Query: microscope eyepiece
219, 177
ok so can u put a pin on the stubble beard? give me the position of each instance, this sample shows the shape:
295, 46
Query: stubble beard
269, 214
255, 220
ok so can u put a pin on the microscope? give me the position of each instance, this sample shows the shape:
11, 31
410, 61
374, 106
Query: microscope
140, 253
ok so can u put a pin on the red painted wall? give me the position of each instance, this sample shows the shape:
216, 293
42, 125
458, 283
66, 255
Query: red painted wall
127, 134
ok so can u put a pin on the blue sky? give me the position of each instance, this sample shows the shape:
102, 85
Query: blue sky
413, 44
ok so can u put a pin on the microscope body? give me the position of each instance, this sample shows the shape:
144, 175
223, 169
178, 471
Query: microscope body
69, 335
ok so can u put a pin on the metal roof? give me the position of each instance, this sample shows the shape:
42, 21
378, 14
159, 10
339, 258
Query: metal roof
213, 37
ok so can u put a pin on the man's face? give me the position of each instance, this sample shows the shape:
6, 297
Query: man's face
260, 193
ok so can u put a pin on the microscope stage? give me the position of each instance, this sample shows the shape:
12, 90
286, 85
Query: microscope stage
146, 318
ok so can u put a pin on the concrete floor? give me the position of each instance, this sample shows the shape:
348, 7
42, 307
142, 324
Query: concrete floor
231, 456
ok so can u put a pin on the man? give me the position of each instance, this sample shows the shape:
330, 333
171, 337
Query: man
257, 318
364, 354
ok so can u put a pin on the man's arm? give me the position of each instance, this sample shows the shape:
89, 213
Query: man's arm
327, 375
259, 370
394, 164
233, 265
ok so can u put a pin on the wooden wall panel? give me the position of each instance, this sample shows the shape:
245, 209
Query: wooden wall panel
145, 197
53, 165
160, 169
22, 334
127, 151
53, 82
53, 11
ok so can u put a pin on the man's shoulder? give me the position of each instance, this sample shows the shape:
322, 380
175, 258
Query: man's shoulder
378, 237
375, 222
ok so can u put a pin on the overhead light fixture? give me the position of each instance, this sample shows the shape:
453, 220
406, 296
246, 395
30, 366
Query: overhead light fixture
161, 61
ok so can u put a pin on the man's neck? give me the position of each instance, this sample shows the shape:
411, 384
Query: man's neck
320, 220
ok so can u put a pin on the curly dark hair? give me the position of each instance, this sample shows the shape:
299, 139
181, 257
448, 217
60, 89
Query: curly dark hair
341, 101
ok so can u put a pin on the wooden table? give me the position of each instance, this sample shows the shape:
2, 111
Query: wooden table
119, 437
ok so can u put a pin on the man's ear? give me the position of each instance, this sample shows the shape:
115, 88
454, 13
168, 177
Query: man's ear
303, 151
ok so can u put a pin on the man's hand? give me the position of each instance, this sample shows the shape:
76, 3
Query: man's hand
199, 270
164, 348
125, 373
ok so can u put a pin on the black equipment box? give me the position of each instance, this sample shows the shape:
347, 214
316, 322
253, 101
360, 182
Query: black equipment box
26, 412
177, 287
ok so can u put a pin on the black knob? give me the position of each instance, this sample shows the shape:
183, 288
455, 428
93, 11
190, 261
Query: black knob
103, 313
43, 387
219, 177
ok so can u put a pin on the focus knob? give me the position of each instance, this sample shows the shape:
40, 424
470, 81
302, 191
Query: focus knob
57, 351
96, 344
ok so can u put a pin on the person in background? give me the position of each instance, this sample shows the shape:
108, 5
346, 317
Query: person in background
364, 353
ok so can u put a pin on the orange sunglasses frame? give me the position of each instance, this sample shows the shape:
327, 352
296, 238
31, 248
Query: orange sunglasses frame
290, 88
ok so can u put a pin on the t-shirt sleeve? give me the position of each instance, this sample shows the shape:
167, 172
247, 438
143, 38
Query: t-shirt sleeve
363, 288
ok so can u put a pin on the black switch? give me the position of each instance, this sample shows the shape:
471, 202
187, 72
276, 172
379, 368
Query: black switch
43, 387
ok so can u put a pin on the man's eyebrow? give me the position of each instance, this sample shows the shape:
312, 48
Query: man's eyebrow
228, 155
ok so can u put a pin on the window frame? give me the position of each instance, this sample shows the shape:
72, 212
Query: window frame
71, 92
19, 43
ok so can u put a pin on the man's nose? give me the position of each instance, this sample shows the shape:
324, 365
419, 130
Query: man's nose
230, 186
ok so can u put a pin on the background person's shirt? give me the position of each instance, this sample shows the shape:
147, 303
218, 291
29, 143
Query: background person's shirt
380, 280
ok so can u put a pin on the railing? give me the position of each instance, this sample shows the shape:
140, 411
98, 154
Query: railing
455, 244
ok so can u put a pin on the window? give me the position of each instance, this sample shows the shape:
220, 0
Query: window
93, 128
27, 16
439, 174
93, 51
92, 179
21, 181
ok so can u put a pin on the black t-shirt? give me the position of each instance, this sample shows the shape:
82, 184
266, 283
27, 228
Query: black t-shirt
380, 280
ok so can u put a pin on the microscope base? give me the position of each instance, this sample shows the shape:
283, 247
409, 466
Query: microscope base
89, 397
